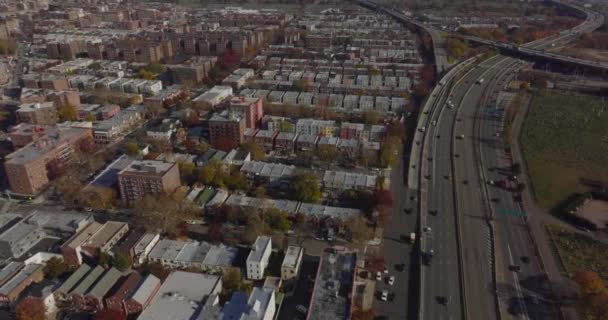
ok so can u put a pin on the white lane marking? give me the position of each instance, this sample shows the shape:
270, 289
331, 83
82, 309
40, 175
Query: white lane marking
522, 304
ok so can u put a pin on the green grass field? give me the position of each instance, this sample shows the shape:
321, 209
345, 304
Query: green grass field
564, 139
578, 252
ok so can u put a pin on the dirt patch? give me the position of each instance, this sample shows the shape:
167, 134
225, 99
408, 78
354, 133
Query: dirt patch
595, 211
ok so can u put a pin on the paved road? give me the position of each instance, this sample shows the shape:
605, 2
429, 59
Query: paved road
397, 251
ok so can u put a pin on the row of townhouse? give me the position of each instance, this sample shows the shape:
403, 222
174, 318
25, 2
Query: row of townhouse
338, 101
127, 85
362, 79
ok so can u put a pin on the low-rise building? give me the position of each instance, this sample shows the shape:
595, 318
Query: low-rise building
291, 263
214, 96
257, 261
179, 293
111, 130
184, 254
11, 289
342, 180
306, 142
285, 142
238, 77
266, 139
259, 305
44, 113
141, 296
272, 174
144, 246
226, 130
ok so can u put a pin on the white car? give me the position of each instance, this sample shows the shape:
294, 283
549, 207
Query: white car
378, 276
391, 280
427, 229
385, 270
384, 295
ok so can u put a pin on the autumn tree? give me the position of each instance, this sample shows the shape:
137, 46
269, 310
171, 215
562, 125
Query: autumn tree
67, 112
589, 282
277, 219
257, 152
97, 197
305, 187
327, 153
30, 308
121, 261
132, 149
371, 117
55, 268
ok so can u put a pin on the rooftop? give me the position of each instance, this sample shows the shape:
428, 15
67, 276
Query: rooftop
267, 169
330, 298
261, 244
29, 107
54, 139
181, 296
106, 233
74, 278
291, 256
152, 167
23, 274
145, 289
88, 281
105, 283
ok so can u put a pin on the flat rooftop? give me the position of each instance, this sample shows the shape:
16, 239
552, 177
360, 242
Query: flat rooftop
106, 233
181, 296
147, 167
38, 149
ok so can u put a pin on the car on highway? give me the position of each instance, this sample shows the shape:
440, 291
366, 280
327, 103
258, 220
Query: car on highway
378, 276
426, 229
384, 295
301, 309
391, 280
442, 300
525, 259
460, 136
515, 268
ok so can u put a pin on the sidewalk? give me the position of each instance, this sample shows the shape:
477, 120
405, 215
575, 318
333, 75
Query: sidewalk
537, 217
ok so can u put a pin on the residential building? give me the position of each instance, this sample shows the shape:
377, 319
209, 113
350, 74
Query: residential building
70, 283
285, 142
72, 248
306, 142
259, 305
291, 263
351, 130
331, 296
19, 236
24, 133
271, 174
117, 297
315, 127
93, 299
257, 261
142, 295
144, 246
266, 139
238, 78
377, 133
226, 130
342, 180
251, 107
27, 275
183, 254
105, 238
111, 130
275, 123
181, 296
214, 96
147, 177
165, 130
44, 113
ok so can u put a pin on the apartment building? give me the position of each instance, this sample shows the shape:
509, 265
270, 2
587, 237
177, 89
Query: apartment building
28, 168
257, 261
227, 130
149, 177
111, 130
351, 130
44, 113
251, 107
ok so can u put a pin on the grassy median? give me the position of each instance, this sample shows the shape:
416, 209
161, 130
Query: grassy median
578, 252
564, 139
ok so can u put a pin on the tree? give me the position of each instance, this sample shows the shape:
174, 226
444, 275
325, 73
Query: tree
156, 269
110, 314
67, 113
121, 261
589, 282
236, 181
55, 268
155, 67
132, 149
260, 192
97, 197
30, 308
371, 117
305, 187
277, 219
104, 259
257, 152
327, 153
232, 279
301, 85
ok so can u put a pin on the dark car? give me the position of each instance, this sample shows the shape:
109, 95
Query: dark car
514, 268
442, 300
525, 259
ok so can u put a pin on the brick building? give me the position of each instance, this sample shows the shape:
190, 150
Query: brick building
251, 107
38, 113
28, 168
148, 177
226, 130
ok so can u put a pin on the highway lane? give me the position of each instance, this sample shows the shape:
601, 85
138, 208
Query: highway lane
442, 278
518, 291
